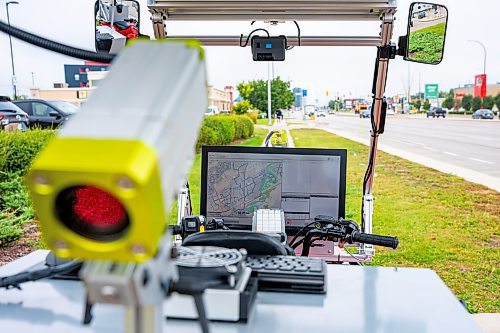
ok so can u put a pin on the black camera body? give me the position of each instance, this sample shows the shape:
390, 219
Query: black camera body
269, 48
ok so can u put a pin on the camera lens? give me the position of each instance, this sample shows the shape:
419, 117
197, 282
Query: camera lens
92, 213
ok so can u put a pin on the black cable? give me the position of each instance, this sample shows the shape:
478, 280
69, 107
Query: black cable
250, 35
55, 46
299, 232
202, 316
15, 280
298, 30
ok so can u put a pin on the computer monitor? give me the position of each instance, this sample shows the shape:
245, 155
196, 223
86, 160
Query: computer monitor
236, 181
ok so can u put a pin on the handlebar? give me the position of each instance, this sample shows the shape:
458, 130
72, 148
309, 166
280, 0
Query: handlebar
387, 241
331, 229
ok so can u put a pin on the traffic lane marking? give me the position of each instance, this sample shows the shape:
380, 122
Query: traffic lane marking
480, 161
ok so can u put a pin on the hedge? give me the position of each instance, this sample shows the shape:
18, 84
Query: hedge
222, 130
18, 149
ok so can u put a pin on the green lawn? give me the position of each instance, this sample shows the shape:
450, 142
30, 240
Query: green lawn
264, 121
195, 174
443, 222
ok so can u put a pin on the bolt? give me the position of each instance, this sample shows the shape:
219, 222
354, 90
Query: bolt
138, 249
126, 183
61, 245
244, 252
232, 269
110, 294
41, 179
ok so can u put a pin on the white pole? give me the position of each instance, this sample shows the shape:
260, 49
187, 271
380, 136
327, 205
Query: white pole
269, 119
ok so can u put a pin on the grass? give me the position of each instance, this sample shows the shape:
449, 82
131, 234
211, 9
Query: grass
194, 177
443, 222
264, 121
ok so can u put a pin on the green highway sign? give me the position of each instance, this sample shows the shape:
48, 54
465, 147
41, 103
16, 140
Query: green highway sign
431, 91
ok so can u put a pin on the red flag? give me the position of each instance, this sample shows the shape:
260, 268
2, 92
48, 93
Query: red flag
480, 86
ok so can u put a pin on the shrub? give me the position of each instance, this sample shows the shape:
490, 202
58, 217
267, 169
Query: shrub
223, 129
254, 115
18, 149
242, 107
279, 138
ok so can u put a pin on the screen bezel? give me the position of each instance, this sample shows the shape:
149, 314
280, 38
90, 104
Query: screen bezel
205, 150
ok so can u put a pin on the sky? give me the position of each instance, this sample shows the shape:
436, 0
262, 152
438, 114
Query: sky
346, 71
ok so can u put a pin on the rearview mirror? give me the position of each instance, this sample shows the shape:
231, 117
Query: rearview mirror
426, 33
116, 22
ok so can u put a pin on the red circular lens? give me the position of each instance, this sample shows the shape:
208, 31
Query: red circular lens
92, 213
97, 208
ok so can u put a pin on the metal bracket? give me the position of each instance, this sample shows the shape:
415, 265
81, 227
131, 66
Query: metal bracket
387, 51
158, 25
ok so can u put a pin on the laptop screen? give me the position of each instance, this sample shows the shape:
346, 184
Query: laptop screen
304, 183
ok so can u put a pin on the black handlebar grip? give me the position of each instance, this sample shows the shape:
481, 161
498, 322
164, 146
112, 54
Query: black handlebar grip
386, 241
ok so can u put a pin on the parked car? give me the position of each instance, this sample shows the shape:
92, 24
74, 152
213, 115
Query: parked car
47, 114
212, 111
436, 112
365, 114
11, 116
483, 114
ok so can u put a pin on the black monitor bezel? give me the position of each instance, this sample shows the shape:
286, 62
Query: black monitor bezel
205, 150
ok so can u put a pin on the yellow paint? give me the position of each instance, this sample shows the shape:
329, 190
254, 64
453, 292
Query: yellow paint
69, 162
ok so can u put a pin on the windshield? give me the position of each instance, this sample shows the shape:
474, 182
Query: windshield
65, 107
9, 106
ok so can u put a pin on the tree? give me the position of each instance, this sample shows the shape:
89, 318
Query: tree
331, 104
467, 102
476, 103
448, 103
497, 101
256, 93
242, 107
488, 102
244, 88
417, 104
427, 105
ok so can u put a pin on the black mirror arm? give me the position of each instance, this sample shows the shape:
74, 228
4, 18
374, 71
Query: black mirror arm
402, 46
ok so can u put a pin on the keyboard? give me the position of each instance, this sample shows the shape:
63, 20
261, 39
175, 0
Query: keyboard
289, 273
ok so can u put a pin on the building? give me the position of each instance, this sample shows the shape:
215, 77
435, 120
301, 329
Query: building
491, 90
299, 99
219, 98
76, 76
77, 96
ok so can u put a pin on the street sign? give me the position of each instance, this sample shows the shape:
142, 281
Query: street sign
304, 92
431, 91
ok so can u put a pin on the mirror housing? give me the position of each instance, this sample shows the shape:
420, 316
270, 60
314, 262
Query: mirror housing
54, 114
115, 24
426, 33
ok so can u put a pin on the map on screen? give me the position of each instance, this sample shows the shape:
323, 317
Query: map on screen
304, 186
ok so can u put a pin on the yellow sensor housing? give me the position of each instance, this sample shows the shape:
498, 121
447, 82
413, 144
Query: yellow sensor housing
103, 187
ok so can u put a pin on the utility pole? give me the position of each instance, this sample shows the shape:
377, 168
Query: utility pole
269, 116
14, 80
484, 49
33, 79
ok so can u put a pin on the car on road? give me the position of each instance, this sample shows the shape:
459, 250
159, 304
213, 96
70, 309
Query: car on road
483, 114
436, 112
11, 116
47, 114
321, 113
365, 113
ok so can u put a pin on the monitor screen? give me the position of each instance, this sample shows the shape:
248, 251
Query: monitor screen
236, 181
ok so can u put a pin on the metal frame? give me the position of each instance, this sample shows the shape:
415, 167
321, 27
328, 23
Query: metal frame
300, 10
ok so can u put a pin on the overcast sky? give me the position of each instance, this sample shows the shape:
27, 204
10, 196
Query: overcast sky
346, 70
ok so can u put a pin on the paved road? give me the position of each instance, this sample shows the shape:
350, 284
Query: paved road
465, 147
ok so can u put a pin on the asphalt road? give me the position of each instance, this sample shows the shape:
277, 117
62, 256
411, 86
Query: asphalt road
465, 147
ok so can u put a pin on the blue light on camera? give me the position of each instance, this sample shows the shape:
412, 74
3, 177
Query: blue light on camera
269, 46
